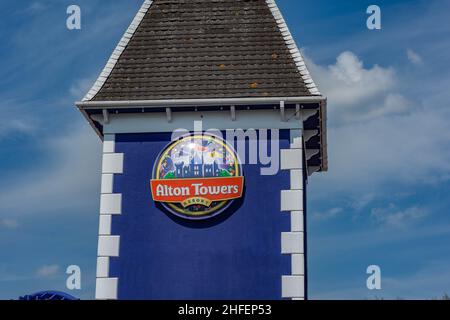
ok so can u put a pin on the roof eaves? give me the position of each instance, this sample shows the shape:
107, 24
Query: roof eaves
290, 43
118, 51
123, 104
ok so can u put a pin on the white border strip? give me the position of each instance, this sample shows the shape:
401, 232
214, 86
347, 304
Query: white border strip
293, 242
110, 204
118, 50
295, 52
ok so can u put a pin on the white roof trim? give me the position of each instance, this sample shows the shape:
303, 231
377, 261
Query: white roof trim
123, 104
295, 52
118, 51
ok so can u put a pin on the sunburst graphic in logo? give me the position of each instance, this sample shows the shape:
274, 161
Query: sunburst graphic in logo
197, 177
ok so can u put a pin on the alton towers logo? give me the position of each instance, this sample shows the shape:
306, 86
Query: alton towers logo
197, 177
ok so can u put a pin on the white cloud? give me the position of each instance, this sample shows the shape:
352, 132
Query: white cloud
70, 180
394, 217
8, 223
16, 119
47, 271
6, 275
357, 93
328, 214
36, 7
376, 136
414, 57
429, 282
393, 103
362, 201
80, 87
13, 126
372, 238
409, 150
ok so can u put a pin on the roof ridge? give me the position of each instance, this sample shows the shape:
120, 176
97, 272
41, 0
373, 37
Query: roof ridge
118, 50
292, 46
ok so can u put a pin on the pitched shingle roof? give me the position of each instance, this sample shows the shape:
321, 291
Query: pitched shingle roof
194, 49
210, 53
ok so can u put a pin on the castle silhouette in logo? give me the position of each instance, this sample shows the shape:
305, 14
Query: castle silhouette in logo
196, 169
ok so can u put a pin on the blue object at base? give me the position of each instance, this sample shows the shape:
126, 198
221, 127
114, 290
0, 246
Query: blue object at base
48, 295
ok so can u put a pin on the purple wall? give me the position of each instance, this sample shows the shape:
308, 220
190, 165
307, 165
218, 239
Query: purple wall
236, 255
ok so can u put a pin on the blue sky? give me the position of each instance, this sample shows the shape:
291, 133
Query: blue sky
384, 200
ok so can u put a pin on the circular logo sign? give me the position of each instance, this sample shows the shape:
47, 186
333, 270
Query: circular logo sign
197, 177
